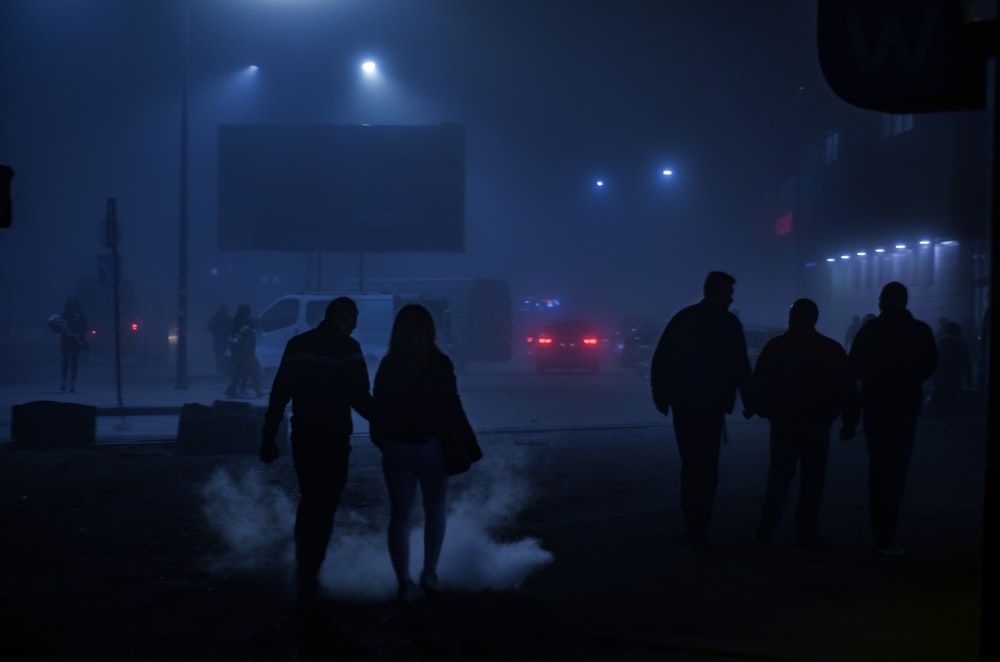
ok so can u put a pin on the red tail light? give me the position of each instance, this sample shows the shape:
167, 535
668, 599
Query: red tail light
590, 341
530, 339
545, 341
133, 326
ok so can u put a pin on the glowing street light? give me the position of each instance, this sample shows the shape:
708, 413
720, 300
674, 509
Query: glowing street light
369, 67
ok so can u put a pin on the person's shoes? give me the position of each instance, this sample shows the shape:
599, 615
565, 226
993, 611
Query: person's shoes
429, 583
888, 550
407, 591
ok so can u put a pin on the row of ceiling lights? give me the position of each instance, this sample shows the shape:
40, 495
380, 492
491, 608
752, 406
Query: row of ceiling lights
898, 247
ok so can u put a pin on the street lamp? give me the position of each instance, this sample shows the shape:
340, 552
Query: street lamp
181, 380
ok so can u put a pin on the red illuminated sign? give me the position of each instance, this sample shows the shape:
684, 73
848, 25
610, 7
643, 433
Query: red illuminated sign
783, 224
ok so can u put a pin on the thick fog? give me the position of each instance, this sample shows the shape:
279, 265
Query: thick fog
554, 96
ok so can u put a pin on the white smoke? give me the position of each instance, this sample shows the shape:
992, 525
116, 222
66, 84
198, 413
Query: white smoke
255, 523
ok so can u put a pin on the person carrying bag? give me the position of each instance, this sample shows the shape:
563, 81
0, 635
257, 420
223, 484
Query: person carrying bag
424, 435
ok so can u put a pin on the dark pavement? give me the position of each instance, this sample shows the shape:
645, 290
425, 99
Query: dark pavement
111, 553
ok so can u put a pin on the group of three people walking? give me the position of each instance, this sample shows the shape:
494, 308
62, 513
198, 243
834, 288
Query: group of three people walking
802, 382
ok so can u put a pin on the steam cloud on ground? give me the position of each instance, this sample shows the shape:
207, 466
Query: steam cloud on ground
255, 520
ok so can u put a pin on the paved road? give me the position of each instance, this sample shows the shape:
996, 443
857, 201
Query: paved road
563, 544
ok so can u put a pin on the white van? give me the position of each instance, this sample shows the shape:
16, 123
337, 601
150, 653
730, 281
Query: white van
293, 314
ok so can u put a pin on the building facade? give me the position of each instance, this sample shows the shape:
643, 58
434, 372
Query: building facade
882, 197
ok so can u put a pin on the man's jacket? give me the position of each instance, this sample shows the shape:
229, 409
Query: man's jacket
701, 361
323, 373
803, 375
892, 355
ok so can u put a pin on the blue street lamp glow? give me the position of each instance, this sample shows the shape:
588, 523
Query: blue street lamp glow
900, 246
879, 250
667, 173
369, 68
253, 68
599, 183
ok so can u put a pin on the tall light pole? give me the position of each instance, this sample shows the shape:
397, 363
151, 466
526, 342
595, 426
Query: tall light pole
182, 257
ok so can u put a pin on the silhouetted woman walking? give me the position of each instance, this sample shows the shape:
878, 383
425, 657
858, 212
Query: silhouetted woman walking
415, 393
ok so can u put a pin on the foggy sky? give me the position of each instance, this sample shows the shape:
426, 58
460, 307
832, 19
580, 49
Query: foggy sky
553, 95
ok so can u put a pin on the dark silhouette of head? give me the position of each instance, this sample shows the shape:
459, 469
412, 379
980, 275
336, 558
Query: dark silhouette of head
803, 314
72, 306
342, 314
718, 288
893, 295
413, 339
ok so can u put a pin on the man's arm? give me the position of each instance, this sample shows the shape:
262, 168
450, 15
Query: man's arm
744, 373
658, 372
358, 385
281, 393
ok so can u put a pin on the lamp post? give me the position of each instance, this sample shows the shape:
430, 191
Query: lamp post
181, 381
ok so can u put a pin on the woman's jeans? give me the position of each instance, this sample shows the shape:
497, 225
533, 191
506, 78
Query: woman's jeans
404, 465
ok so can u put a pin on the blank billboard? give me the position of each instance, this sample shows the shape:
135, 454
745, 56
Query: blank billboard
342, 188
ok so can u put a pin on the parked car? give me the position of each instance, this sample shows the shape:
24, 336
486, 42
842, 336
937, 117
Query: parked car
293, 314
639, 342
567, 344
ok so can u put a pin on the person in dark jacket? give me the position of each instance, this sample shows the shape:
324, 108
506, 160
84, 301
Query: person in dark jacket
802, 383
324, 375
73, 338
220, 328
415, 393
698, 365
892, 356
243, 352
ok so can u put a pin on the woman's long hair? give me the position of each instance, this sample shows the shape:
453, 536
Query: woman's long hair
413, 340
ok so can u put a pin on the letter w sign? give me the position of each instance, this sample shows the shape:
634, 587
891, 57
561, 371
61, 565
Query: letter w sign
901, 56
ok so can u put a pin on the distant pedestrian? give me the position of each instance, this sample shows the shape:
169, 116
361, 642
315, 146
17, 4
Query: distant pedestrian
852, 330
324, 375
72, 339
954, 372
220, 328
802, 383
892, 356
698, 365
416, 400
243, 353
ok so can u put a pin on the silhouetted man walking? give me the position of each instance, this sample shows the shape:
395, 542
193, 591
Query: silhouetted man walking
324, 374
802, 383
892, 355
699, 363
